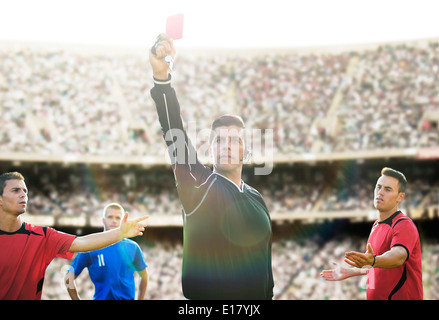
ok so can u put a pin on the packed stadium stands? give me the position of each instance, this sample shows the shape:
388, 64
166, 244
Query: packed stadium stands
82, 128
75, 104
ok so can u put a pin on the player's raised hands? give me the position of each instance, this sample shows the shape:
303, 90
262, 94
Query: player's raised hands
358, 259
99, 240
162, 48
132, 228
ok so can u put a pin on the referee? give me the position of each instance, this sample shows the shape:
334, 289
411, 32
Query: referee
393, 257
227, 227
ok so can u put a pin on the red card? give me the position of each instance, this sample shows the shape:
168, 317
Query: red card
174, 26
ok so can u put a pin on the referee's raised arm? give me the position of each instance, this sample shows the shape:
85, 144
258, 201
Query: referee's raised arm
165, 98
189, 173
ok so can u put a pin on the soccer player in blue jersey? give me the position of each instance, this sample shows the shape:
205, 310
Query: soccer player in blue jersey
111, 269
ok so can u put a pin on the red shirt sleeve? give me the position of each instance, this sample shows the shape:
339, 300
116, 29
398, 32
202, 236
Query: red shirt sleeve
405, 235
58, 243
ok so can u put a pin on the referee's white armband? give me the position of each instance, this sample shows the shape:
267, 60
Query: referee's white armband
162, 82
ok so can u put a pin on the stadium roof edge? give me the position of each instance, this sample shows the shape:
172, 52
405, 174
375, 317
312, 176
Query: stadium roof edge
124, 49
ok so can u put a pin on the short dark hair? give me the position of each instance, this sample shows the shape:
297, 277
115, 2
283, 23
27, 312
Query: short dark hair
226, 121
402, 181
9, 176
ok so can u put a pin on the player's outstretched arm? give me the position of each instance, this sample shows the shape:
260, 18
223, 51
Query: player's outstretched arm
393, 258
95, 241
340, 273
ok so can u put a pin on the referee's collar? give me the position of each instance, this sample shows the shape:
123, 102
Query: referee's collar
240, 189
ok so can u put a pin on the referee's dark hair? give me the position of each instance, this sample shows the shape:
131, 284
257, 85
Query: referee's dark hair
9, 176
226, 121
397, 175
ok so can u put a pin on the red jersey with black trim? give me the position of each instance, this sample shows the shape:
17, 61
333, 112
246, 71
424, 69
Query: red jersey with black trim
404, 282
24, 257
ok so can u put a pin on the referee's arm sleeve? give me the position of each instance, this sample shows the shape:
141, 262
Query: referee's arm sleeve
180, 148
189, 172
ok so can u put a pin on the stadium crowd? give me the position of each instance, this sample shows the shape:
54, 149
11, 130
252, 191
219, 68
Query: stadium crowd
387, 96
61, 101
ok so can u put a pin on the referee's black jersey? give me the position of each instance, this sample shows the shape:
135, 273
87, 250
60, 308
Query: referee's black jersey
227, 229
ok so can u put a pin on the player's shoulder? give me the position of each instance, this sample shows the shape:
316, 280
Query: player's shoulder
129, 242
393, 220
399, 217
401, 220
26, 229
36, 230
130, 245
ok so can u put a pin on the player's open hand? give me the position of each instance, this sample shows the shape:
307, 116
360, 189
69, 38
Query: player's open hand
164, 46
336, 274
132, 228
358, 259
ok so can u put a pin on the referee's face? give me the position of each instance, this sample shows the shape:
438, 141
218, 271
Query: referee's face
228, 147
14, 198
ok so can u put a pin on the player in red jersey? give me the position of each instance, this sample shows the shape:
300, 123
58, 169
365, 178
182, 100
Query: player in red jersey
392, 261
27, 250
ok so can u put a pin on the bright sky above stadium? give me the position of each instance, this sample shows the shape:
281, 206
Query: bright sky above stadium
219, 24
